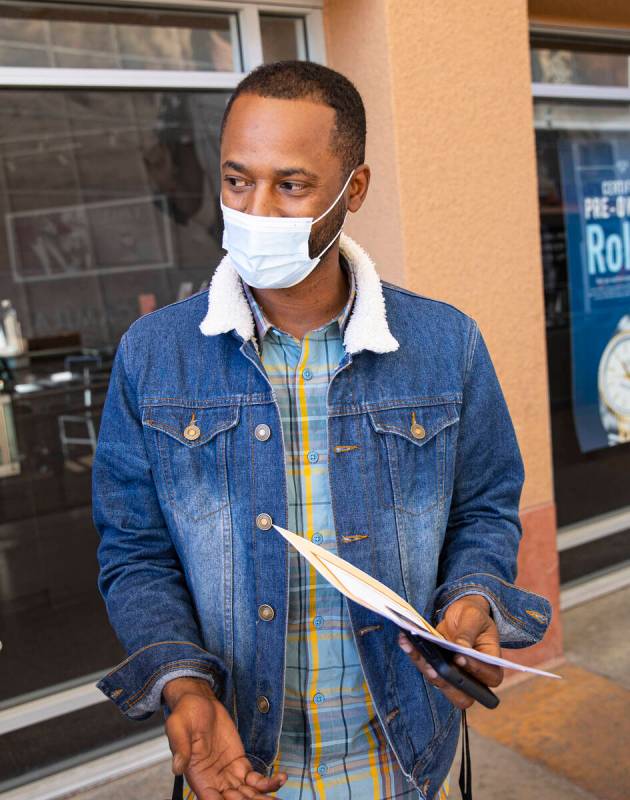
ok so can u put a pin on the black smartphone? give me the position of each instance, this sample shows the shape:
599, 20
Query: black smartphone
442, 662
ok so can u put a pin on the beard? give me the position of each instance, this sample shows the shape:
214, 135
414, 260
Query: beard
327, 229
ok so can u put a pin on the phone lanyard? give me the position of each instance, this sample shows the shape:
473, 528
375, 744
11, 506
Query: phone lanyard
465, 776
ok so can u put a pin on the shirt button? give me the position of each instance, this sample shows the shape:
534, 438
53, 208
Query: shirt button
262, 432
322, 769
317, 538
313, 457
318, 622
262, 704
307, 374
318, 698
266, 612
264, 522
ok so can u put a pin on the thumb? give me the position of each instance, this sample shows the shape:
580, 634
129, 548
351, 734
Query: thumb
179, 740
468, 628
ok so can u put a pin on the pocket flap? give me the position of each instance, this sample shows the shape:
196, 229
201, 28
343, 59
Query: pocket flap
417, 424
191, 425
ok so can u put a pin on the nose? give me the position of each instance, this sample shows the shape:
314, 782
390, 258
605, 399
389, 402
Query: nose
260, 201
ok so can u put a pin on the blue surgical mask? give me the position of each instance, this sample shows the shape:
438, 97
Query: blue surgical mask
272, 252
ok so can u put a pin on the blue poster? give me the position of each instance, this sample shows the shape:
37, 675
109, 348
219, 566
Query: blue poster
595, 174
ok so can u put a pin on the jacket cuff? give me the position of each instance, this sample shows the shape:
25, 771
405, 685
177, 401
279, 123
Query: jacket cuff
135, 685
521, 617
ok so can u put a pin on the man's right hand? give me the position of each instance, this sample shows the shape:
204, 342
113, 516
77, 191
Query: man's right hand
206, 746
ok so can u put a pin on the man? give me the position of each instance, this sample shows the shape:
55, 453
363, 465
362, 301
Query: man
301, 391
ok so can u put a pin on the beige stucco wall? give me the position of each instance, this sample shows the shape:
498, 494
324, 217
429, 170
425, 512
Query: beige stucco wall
358, 45
447, 88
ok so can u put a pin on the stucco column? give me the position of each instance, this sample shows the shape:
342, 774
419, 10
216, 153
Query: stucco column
453, 209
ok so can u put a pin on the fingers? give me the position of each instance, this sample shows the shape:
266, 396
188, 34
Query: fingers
489, 674
256, 787
242, 792
468, 624
263, 784
179, 740
247, 791
456, 697
241, 773
464, 624
240, 781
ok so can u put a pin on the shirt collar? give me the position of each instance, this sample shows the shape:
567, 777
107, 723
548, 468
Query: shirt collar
263, 325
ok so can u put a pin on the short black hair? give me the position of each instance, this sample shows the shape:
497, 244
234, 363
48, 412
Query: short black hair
306, 80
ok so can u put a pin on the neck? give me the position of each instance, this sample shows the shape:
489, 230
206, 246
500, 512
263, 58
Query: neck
310, 304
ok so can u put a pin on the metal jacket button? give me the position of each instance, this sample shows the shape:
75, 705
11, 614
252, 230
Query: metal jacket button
417, 430
262, 704
262, 432
192, 431
264, 522
266, 612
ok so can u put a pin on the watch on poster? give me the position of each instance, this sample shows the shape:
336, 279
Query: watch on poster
614, 384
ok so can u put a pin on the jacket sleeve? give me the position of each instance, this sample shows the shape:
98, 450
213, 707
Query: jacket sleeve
140, 577
483, 532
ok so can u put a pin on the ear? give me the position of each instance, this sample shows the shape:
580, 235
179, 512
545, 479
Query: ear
358, 187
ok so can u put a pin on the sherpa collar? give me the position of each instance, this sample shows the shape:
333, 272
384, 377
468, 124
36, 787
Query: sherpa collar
367, 328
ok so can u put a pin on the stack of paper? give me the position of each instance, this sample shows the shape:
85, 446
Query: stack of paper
370, 593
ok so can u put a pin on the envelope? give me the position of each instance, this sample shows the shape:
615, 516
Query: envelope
374, 595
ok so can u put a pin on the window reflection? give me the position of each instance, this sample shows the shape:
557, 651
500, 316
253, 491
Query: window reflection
110, 207
594, 483
283, 38
561, 66
37, 35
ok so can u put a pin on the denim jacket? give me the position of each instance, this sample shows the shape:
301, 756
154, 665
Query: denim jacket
424, 464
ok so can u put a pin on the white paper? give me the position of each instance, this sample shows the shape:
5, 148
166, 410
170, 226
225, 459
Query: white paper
370, 593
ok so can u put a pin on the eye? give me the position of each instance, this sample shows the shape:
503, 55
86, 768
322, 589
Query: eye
292, 186
235, 182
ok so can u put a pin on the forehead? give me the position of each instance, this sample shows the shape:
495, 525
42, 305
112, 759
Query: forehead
262, 130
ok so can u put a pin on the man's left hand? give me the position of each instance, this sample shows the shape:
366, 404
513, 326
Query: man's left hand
467, 621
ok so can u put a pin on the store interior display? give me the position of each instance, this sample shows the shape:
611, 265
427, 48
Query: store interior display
110, 208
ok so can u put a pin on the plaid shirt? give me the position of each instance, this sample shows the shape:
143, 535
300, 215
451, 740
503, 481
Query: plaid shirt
331, 744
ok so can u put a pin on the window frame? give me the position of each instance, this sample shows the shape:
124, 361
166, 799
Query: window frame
562, 36
248, 37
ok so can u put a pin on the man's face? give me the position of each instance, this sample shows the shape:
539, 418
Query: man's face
276, 161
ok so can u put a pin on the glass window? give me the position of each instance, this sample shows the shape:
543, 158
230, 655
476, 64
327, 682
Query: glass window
583, 153
110, 209
283, 38
574, 66
38, 35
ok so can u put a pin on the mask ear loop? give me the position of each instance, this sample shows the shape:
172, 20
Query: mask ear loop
335, 201
334, 239
330, 208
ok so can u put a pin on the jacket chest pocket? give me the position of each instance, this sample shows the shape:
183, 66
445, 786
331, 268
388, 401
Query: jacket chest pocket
413, 446
191, 447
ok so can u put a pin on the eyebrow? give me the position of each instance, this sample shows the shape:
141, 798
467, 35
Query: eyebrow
285, 172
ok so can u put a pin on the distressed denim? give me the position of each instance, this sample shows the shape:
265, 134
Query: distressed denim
185, 567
